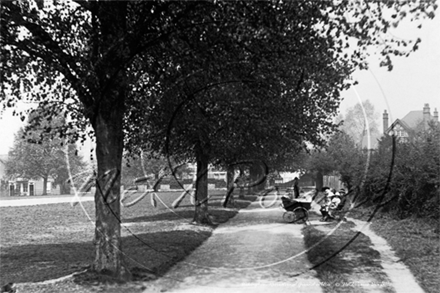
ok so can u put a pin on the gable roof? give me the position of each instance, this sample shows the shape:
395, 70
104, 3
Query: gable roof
413, 119
401, 123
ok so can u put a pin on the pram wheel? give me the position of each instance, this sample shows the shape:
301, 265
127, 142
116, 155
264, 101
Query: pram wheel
298, 215
289, 217
301, 215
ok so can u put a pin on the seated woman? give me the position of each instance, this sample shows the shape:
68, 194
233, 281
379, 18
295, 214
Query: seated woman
335, 200
330, 204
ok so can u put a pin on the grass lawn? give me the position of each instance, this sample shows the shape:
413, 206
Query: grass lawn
44, 242
338, 268
416, 242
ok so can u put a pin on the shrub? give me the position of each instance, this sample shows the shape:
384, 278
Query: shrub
415, 181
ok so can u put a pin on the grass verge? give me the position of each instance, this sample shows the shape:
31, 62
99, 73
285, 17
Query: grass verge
349, 269
46, 242
415, 241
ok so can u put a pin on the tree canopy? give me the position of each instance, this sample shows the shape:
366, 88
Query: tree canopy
360, 121
44, 159
103, 60
253, 94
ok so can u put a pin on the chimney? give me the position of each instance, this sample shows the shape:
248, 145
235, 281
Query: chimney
426, 113
385, 121
426, 116
435, 115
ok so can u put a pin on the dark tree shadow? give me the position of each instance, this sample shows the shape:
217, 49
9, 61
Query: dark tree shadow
148, 252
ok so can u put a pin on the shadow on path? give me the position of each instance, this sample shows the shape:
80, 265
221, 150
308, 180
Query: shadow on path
253, 252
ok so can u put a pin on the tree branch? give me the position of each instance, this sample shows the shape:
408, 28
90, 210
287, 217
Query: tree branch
87, 5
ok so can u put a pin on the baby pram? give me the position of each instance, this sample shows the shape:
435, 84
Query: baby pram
296, 210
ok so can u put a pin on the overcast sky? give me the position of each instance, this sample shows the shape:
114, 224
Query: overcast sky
413, 82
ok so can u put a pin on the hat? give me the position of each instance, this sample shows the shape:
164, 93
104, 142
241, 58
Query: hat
329, 193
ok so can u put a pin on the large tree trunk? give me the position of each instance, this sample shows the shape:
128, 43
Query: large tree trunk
109, 146
201, 215
106, 115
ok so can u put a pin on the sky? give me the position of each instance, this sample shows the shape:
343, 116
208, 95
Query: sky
413, 82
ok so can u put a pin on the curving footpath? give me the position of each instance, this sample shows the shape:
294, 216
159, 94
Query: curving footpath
253, 252
257, 252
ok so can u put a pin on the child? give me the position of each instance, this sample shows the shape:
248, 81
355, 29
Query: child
326, 204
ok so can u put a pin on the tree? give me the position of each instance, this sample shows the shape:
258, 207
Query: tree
411, 172
360, 121
140, 166
340, 156
91, 57
348, 160
43, 160
320, 163
253, 101
80, 56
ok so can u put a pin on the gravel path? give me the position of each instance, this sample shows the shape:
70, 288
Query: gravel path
257, 252
253, 252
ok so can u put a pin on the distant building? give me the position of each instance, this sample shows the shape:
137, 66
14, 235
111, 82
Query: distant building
18, 186
29, 187
213, 173
413, 122
289, 176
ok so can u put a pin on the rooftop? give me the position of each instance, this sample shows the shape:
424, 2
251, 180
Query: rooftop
413, 118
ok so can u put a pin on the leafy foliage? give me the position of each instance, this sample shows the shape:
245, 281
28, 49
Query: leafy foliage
257, 95
111, 64
340, 156
47, 158
360, 121
415, 183
350, 162
403, 179
153, 167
